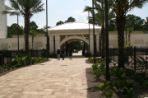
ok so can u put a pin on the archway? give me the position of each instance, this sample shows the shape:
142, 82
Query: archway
73, 31
74, 38
75, 47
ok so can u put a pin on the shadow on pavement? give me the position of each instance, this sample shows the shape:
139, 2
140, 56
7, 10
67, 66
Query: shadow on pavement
92, 91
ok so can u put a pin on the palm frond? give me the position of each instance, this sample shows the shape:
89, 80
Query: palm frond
136, 3
88, 9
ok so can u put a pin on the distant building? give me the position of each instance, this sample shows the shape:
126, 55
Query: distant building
3, 20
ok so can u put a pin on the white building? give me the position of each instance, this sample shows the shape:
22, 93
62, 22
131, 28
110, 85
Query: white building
68, 32
3, 20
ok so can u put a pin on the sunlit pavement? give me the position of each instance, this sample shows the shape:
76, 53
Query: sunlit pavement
53, 79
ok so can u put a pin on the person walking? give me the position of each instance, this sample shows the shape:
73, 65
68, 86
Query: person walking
58, 54
62, 54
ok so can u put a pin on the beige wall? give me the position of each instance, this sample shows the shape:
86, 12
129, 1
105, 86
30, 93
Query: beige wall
139, 40
11, 43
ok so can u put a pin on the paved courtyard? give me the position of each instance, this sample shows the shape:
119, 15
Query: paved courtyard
69, 78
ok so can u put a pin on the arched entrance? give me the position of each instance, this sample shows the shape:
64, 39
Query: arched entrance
61, 34
75, 46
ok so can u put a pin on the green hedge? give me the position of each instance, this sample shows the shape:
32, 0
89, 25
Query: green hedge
21, 60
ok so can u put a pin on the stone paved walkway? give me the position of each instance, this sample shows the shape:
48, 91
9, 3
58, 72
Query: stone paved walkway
67, 78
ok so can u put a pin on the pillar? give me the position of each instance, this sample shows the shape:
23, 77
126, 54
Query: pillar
57, 42
91, 44
51, 44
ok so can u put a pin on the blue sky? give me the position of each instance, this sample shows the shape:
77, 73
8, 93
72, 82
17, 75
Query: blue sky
62, 9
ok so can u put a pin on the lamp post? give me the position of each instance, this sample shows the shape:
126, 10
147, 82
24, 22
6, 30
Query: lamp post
94, 37
107, 41
47, 44
18, 48
89, 30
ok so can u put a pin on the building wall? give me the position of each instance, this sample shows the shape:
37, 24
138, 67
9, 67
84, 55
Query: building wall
3, 20
11, 43
138, 40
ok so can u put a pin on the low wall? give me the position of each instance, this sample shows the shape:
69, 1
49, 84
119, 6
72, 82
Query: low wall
137, 39
11, 43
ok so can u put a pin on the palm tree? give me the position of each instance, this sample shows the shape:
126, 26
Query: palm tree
33, 31
26, 8
99, 17
106, 40
121, 8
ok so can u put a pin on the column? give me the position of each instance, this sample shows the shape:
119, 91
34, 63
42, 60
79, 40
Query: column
51, 44
91, 44
57, 42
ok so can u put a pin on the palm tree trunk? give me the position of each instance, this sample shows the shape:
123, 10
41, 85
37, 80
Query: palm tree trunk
129, 36
103, 41
120, 22
106, 41
32, 41
100, 42
26, 30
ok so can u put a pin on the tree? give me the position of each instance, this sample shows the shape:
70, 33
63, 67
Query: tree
99, 19
112, 25
12, 30
145, 26
33, 31
33, 25
70, 19
121, 8
59, 23
135, 22
26, 8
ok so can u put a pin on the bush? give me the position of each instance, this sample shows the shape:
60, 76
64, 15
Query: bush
99, 68
21, 60
145, 83
106, 89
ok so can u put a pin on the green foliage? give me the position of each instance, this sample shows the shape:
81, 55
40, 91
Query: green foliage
99, 68
59, 23
134, 22
145, 26
26, 8
70, 19
124, 82
14, 29
106, 89
99, 12
21, 60
33, 25
145, 83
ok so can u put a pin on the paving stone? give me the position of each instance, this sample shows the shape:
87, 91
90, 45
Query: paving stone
53, 79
